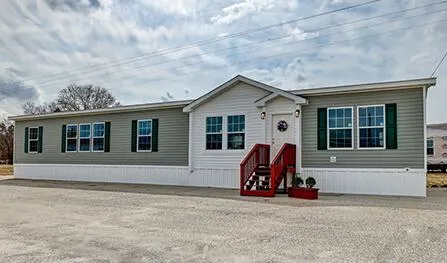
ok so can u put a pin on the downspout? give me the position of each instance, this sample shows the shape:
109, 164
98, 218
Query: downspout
190, 144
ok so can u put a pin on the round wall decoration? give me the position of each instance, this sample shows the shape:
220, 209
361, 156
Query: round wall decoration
282, 126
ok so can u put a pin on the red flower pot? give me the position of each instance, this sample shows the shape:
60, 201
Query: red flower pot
303, 193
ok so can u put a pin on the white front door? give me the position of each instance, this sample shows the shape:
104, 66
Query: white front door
282, 132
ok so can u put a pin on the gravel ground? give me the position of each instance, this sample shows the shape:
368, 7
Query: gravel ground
72, 222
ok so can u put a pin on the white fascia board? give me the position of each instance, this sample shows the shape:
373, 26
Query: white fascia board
130, 108
391, 85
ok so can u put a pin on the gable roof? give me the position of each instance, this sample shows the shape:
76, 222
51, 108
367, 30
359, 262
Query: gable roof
365, 87
241, 79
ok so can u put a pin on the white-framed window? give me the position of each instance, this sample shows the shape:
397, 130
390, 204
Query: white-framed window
236, 132
98, 137
371, 127
144, 135
430, 146
340, 128
72, 138
85, 134
33, 140
214, 133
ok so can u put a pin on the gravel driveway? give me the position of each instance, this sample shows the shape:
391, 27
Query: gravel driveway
67, 222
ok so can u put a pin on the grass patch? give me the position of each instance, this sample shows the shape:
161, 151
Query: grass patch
436, 179
6, 170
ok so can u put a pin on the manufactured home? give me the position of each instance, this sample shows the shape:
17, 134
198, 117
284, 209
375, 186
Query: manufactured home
356, 139
437, 147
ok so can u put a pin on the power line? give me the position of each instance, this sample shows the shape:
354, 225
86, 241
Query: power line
208, 41
289, 53
257, 50
439, 64
258, 42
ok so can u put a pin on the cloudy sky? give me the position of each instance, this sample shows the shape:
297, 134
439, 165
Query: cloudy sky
131, 47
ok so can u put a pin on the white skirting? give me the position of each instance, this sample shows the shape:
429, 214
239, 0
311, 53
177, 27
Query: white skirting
330, 180
134, 174
398, 182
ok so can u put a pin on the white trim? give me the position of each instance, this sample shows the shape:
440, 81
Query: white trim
221, 133
344, 128
424, 106
370, 127
103, 137
79, 137
367, 87
138, 130
262, 102
298, 139
119, 109
66, 138
244, 132
230, 83
29, 140
190, 141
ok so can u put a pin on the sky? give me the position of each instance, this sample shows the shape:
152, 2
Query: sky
147, 51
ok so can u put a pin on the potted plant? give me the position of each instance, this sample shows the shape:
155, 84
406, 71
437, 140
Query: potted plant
298, 191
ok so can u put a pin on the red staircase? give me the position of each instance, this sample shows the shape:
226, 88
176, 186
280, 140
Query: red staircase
258, 178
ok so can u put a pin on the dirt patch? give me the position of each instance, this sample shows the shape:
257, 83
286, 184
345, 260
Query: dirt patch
437, 180
6, 170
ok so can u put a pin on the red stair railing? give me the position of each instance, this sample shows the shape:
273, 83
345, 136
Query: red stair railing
259, 155
285, 158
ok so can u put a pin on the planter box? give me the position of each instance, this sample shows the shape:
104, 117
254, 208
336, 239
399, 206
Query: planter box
303, 193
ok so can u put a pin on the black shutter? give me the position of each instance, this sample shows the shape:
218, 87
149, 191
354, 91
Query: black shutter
134, 135
26, 140
391, 126
154, 135
40, 142
322, 129
107, 137
64, 134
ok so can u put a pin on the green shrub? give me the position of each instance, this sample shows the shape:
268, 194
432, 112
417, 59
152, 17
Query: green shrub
297, 181
310, 182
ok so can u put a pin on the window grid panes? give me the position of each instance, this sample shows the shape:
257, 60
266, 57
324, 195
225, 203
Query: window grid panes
33, 140
214, 133
72, 137
144, 135
84, 137
340, 128
371, 122
98, 137
430, 148
236, 132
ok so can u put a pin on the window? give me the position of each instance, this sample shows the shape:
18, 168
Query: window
72, 137
33, 140
236, 132
371, 124
340, 128
214, 133
144, 135
84, 137
430, 148
98, 136
444, 138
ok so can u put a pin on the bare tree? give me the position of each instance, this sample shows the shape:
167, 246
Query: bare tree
75, 98
6, 141
32, 108
86, 97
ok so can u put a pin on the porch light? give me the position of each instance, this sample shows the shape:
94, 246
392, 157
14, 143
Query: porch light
263, 115
297, 113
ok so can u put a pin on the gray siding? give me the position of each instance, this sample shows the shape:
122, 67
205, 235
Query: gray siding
172, 143
410, 128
